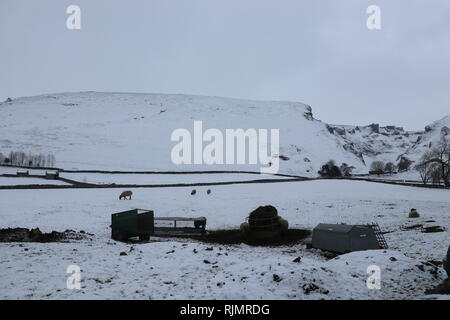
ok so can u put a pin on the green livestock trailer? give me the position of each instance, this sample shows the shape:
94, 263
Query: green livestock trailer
132, 223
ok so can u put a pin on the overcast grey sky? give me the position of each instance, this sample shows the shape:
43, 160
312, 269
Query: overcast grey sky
319, 52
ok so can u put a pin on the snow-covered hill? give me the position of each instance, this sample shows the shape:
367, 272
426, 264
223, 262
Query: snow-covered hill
127, 131
390, 143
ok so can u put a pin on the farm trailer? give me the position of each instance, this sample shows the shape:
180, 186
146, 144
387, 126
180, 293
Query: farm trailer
132, 223
143, 224
343, 238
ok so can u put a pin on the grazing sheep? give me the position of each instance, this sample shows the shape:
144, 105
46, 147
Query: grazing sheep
193, 192
125, 194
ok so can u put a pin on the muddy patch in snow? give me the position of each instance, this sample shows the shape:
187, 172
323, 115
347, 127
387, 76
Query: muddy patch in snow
36, 235
235, 236
424, 228
433, 229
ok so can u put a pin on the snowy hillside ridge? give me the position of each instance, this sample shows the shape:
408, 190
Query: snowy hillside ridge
131, 131
390, 143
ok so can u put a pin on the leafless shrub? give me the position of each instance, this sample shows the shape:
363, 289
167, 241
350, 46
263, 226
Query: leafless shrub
439, 158
389, 167
377, 167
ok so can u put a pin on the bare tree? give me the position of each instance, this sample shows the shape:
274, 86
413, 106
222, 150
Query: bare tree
42, 160
440, 155
330, 169
389, 167
426, 169
20, 158
51, 160
436, 175
403, 164
377, 167
346, 170
12, 157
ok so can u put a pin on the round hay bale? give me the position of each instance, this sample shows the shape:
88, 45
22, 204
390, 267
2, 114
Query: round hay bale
264, 212
193, 192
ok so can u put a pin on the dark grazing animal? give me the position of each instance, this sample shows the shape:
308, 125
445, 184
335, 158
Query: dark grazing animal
125, 194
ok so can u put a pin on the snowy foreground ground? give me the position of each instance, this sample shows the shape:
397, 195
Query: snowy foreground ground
176, 269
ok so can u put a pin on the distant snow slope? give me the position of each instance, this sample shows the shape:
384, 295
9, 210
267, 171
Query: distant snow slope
125, 131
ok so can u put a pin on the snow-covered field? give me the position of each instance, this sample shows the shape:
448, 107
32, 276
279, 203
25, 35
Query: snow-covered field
411, 175
102, 178
11, 181
171, 269
13, 170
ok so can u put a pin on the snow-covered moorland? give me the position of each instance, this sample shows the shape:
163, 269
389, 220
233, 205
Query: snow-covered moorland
126, 131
